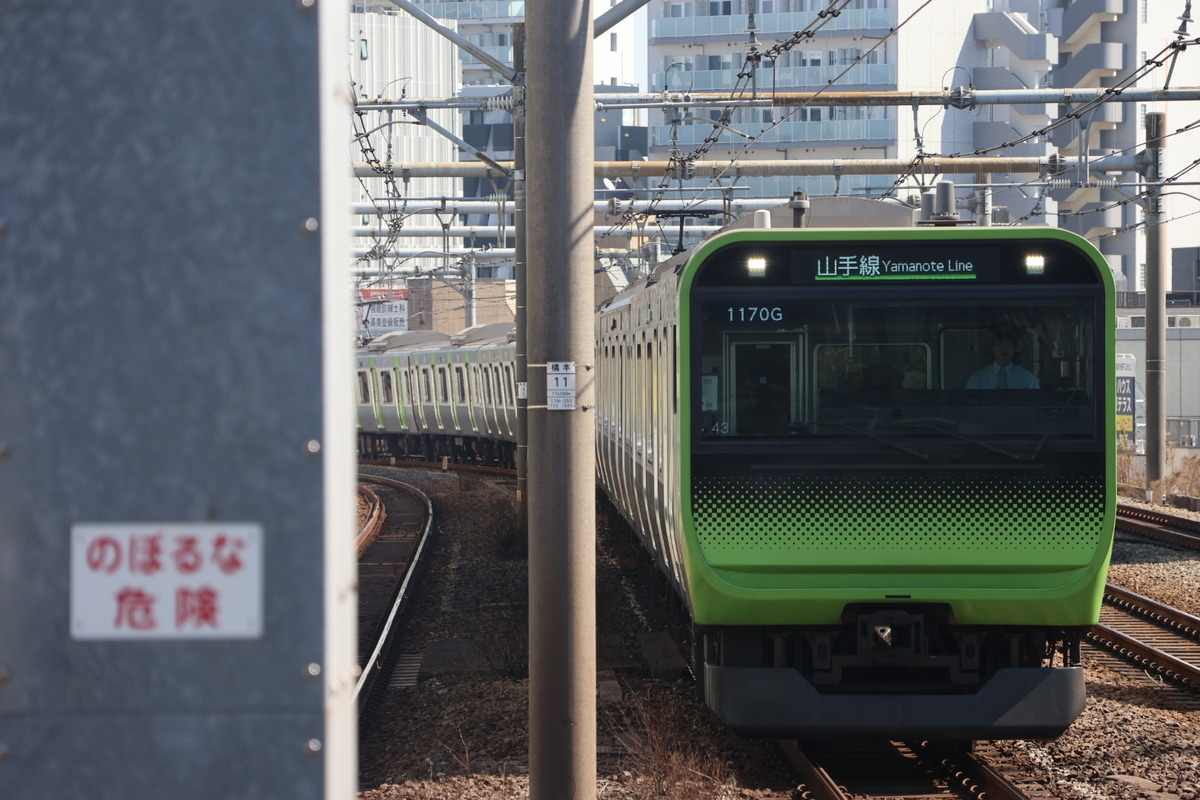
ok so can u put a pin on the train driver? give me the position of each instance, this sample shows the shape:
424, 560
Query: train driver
1003, 373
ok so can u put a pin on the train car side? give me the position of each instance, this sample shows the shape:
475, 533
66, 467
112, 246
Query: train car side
426, 396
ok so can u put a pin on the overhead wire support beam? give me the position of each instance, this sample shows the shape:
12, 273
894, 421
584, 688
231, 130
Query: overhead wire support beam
963, 97
466, 44
800, 167
614, 15
422, 115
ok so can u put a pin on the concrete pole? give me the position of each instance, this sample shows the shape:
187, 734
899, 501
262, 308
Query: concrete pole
1156, 302
559, 127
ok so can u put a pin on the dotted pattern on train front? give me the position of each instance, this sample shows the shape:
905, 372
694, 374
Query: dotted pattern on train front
739, 514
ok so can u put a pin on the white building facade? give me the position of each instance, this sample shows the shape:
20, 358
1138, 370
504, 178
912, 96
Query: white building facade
393, 55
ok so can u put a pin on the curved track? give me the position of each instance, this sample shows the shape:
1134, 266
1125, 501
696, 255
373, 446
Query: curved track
390, 547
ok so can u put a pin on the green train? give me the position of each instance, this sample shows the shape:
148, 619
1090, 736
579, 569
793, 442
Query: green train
878, 467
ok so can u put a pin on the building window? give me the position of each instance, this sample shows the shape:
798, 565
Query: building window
612, 42
720, 8
676, 10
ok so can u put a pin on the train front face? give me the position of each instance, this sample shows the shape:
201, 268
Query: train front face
898, 475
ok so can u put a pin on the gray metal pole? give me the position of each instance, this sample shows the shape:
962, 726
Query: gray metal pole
560, 244
1156, 302
520, 269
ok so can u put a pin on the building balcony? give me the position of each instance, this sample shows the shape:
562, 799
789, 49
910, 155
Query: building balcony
502, 54
880, 76
1092, 220
835, 131
1081, 17
476, 10
857, 21
1102, 118
1089, 64
989, 135
1015, 33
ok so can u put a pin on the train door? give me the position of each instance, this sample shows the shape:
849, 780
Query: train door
441, 395
403, 395
762, 395
389, 408
456, 396
366, 405
425, 379
469, 394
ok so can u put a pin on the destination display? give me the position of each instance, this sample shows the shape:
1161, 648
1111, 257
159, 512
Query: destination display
891, 262
952, 258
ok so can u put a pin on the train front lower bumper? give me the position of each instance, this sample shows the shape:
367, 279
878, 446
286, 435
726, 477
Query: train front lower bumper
1017, 703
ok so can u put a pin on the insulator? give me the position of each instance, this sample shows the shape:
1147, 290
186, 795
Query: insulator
501, 103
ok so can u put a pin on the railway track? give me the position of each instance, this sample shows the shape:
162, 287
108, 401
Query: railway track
1159, 638
1158, 525
908, 770
390, 545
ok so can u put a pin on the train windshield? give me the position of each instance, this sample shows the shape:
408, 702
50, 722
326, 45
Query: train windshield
913, 367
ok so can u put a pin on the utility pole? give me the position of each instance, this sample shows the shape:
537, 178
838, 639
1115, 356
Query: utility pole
560, 243
1156, 301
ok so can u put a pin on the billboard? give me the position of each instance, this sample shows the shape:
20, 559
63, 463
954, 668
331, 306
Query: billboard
380, 311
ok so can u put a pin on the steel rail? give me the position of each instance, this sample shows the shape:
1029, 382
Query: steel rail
1167, 616
1157, 525
1146, 655
367, 678
819, 784
969, 772
1170, 621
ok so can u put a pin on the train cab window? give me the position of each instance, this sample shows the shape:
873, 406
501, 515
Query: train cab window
922, 366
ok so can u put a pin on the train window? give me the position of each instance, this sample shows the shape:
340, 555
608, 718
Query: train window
460, 385
427, 390
908, 367
443, 387
386, 388
364, 388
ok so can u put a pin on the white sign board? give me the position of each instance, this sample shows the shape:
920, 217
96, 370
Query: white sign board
560, 385
166, 581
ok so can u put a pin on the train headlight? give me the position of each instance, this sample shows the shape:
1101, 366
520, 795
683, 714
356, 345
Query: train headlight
756, 267
1035, 265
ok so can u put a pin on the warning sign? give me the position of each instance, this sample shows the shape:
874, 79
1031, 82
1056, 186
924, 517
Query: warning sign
166, 581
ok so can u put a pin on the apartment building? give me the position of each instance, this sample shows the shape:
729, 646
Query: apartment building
702, 46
